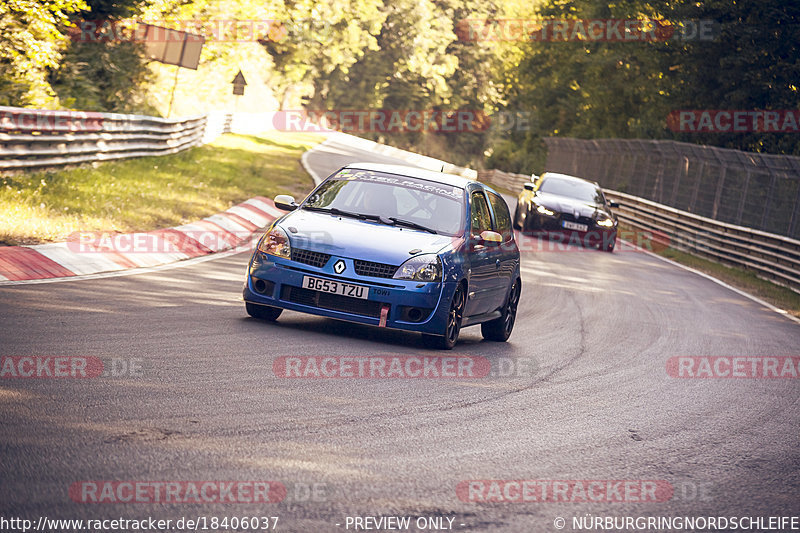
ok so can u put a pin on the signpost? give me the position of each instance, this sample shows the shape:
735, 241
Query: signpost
173, 47
238, 84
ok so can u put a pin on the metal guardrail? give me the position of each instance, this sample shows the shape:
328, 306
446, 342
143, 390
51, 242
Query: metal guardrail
33, 138
504, 180
419, 160
749, 189
40, 138
770, 256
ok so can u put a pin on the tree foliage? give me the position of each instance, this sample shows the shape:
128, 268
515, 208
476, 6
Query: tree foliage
31, 41
104, 75
413, 55
627, 89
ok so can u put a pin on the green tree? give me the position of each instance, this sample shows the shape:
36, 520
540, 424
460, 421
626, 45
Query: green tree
31, 40
754, 63
96, 76
103, 75
320, 41
627, 89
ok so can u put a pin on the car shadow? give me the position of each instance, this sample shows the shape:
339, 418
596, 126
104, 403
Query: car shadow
469, 341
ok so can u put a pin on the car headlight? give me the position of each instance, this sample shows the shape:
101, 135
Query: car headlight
426, 267
606, 222
275, 242
543, 210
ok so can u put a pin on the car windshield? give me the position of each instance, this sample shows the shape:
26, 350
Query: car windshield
401, 200
579, 190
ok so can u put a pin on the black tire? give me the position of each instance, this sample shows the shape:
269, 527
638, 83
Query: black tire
454, 317
517, 225
263, 312
499, 329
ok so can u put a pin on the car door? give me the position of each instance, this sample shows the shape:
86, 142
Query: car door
507, 254
482, 258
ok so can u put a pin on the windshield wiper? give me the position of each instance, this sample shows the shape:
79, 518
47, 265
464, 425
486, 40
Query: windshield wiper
414, 225
339, 212
364, 216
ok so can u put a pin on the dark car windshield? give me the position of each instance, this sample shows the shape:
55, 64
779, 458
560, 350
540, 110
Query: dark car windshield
403, 200
579, 190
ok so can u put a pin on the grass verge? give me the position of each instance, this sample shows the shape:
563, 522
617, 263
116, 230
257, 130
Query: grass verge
148, 193
740, 278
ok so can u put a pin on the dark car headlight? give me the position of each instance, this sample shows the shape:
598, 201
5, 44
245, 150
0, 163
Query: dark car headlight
426, 267
275, 242
544, 211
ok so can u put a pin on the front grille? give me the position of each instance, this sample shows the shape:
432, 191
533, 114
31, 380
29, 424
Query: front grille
580, 220
317, 259
375, 270
334, 302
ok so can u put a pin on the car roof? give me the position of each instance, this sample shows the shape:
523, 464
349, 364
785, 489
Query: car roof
567, 177
415, 172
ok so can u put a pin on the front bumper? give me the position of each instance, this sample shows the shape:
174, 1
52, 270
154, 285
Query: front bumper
409, 305
551, 226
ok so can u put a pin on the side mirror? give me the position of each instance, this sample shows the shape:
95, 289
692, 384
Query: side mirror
285, 202
527, 186
491, 237
613, 204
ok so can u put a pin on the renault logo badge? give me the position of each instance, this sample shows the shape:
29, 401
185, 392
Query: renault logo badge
339, 266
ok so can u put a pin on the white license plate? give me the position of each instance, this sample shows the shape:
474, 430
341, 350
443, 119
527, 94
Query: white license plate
335, 287
573, 225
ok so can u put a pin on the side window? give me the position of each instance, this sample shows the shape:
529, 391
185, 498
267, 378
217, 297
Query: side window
501, 217
479, 214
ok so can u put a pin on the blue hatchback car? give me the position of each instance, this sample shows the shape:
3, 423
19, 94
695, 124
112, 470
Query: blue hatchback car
392, 246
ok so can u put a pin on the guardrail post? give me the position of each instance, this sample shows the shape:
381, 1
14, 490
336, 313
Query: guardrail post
768, 203
696, 189
718, 195
683, 171
658, 184
793, 221
743, 198
574, 164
